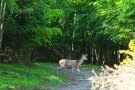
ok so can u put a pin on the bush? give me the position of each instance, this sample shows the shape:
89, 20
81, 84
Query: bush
121, 77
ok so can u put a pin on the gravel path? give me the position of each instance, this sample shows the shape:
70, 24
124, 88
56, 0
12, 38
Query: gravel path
79, 83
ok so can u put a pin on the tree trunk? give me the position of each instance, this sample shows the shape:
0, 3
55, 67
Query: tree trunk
2, 12
83, 43
73, 33
96, 54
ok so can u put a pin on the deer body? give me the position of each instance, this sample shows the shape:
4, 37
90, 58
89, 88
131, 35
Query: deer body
71, 64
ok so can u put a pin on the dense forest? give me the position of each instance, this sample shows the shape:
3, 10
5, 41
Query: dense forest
48, 30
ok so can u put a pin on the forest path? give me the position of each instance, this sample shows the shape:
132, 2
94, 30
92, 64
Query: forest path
79, 83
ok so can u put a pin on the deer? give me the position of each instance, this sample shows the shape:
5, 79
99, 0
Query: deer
71, 64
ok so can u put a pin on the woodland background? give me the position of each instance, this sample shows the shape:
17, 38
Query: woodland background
48, 30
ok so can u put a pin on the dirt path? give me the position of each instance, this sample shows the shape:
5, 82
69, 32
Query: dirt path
79, 83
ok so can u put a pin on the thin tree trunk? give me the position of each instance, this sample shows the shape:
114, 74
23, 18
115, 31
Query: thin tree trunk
73, 33
92, 56
2, 12
83, 43
118, 55
96, 54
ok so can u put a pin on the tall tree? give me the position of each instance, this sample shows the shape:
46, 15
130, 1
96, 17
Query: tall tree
31, 25
2, 13
119, 19
10, 4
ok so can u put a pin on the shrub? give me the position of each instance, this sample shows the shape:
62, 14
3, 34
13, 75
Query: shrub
121, 77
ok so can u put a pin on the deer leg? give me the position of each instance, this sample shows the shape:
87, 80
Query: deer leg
58, 69
73, 73
80, 72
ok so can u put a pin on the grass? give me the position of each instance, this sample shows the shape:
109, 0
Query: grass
14, 77
20, 77
90, 66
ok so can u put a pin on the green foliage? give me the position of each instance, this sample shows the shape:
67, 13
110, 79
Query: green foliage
11, 5
31, 24
21, 77
118, 23
67, 28
82, 27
